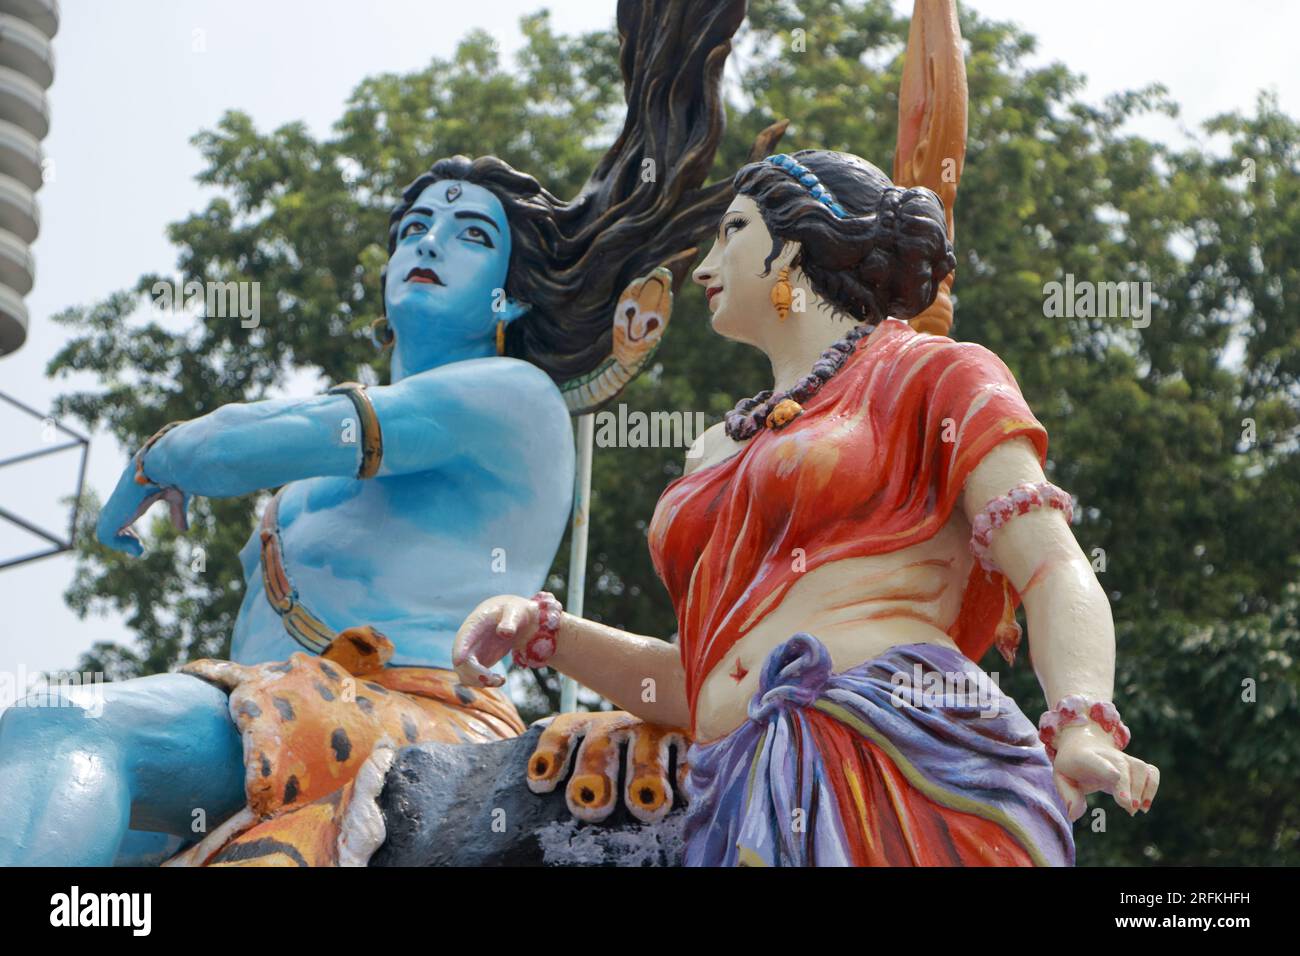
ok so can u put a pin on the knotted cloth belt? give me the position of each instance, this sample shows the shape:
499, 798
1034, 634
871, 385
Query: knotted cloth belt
302, 625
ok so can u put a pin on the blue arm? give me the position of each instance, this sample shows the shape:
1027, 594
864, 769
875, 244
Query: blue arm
426, 420
241, 448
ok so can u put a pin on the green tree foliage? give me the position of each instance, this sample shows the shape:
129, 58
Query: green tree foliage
1178, 438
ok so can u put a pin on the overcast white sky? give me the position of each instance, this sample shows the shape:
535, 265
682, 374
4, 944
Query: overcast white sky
130, 91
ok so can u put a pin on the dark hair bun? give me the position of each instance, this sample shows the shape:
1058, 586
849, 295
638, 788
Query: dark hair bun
887, 258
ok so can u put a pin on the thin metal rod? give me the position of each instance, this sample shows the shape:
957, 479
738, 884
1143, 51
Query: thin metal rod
79, 441
35, 414
34, 556
27, 456
586, 439
28, 526
76, 502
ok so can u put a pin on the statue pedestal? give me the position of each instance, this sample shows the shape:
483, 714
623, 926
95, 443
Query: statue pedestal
455, 805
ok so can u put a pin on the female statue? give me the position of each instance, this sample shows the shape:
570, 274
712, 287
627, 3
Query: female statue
840, 553
401, 506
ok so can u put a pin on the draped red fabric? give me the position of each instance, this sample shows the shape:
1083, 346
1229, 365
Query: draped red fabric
889, 822
875, 463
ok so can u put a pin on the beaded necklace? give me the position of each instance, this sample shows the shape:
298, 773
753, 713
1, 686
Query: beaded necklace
751, 415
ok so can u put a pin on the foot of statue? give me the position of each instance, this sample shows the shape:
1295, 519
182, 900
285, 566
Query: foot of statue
597, 738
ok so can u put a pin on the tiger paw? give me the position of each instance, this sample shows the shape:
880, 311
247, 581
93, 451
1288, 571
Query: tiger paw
592, 790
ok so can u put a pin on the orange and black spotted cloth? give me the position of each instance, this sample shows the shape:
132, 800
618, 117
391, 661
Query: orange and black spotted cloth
310, 723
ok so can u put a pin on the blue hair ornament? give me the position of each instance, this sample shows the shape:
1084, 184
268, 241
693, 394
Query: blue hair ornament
809, 181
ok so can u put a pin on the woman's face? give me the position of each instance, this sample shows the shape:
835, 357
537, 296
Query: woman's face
739, 294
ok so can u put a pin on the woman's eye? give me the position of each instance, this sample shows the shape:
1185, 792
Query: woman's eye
414, 228
475, 234
733, 226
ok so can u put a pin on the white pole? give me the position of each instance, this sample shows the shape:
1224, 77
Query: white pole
586, 434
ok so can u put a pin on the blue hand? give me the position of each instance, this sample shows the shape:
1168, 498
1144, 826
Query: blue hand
128, 502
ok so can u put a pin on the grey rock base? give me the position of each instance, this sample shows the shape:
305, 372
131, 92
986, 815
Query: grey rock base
469, 805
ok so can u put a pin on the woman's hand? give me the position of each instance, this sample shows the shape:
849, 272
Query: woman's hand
1087, 760
493, 629
129, 501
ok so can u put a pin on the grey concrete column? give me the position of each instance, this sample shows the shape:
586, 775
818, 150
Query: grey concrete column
26, 72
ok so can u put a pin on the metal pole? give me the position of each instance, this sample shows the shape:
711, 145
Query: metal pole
586, 434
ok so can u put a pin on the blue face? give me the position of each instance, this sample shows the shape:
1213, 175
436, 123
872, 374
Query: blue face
446, 274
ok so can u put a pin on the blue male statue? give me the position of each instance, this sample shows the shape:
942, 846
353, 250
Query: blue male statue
400, 506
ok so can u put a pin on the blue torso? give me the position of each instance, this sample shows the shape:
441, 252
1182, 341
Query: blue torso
413, 554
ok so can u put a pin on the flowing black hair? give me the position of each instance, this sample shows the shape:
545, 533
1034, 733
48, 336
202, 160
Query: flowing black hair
570, 261
886, 259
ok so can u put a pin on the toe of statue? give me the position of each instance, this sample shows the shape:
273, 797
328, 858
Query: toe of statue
593, 744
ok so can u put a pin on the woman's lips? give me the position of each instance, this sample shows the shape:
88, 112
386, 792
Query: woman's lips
710, 292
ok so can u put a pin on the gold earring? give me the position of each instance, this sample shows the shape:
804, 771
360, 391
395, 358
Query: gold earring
782, 297
381, 331
501, 337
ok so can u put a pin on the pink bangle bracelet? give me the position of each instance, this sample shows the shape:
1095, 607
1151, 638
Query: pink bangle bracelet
541, 646
1077, 709
1018, 501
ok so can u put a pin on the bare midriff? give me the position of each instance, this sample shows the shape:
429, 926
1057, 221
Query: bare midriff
858, 608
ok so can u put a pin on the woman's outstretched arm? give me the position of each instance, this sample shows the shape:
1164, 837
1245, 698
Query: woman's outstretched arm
642, 675
1071, 632
1070, 627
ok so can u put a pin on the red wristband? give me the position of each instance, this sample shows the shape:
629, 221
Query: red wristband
541, 646
1078, 709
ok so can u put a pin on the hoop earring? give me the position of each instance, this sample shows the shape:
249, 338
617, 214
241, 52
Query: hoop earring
501, 337
782, 296
381, 332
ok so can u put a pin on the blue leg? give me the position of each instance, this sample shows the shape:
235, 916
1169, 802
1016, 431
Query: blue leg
80, 766
143, 848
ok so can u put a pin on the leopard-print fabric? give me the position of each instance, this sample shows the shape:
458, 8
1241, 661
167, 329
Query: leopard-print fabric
308, 725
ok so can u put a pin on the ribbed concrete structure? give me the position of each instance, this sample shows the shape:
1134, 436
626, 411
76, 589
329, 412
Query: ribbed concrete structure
26, 72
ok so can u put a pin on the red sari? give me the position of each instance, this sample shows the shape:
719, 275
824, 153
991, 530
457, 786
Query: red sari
876, 463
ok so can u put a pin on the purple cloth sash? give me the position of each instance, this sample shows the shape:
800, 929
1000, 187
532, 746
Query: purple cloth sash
942, 717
